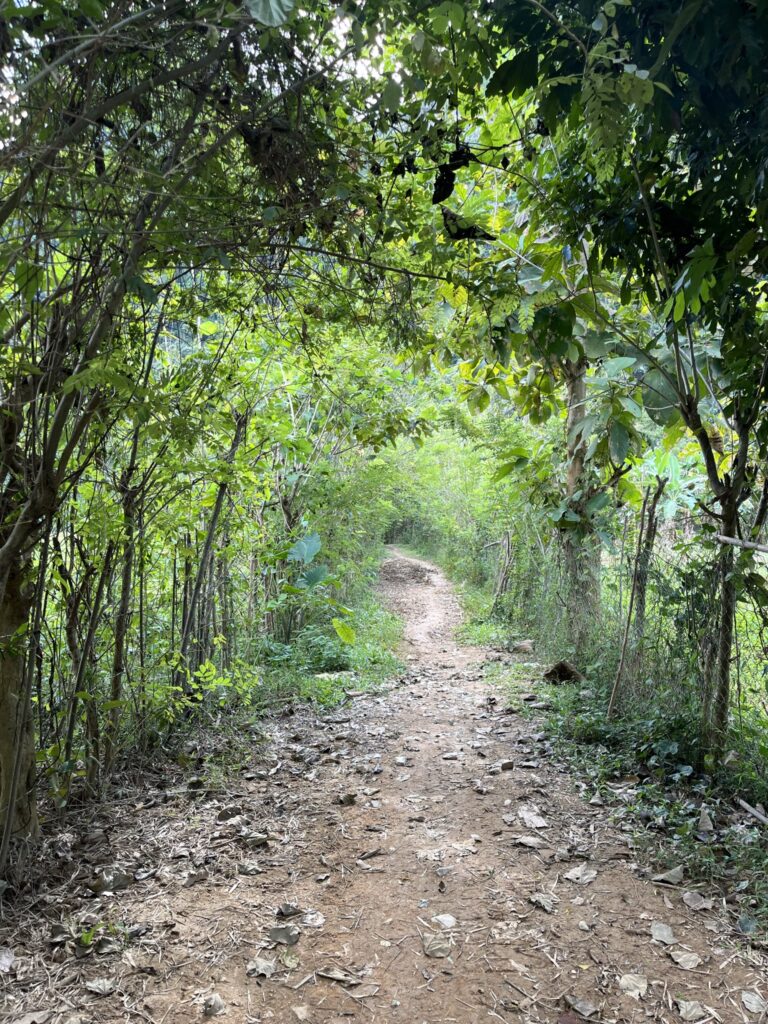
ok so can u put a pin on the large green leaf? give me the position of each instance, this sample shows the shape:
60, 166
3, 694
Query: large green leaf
618, 442
304, 550
317, 574
270, 12
344, 631
515, 76
660, 399
618, 365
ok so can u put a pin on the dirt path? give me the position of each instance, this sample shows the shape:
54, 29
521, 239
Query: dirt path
441, 867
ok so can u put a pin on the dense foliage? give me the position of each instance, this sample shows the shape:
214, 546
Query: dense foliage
282, 283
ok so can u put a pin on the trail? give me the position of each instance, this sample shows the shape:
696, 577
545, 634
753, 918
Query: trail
427, 820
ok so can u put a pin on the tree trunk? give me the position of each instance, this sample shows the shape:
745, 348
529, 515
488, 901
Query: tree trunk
581, 548
582, 572
643, 564
196, 591
122, 623
86, 650
721, 688
16, 733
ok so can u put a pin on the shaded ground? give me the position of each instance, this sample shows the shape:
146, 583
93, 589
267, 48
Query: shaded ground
420, 850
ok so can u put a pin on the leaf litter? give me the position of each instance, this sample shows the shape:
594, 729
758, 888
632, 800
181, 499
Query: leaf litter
458, 846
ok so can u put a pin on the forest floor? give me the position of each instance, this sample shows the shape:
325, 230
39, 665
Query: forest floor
413, 856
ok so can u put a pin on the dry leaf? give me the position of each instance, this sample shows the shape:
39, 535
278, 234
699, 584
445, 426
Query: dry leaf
692, 1010
110, 880
364, 991
313, 919
581, 875
107, 944
533, 842
581, 1006
754, 1002
696, 901
287, 910
213, 1005
101, 986
545, 900
635, 985
531, 817
288, 934
662, 933
437, 945
193, 877
335, 974
260, 968
289, 958
705, 821
249, 867
672, 877
685, 961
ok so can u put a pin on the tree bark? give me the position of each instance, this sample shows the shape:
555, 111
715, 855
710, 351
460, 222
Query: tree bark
122, 622
720, 688
16, 734
581, 548
202, 569
643, 563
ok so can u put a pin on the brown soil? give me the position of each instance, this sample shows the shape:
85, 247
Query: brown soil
379, 818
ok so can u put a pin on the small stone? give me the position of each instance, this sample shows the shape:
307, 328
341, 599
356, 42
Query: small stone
213, 1005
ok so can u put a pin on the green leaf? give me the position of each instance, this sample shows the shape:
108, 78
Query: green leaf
618, 442
315, 575
304, 550
630, 405
344, 631
270, 12
455, 14
91, 8
597, 503
660, 398
519, 459
28, 278
596, 344
515, 76
629, 493
391, 96
613, 367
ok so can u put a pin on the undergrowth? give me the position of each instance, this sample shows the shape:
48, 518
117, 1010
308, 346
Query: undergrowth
317, 669
642, 769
